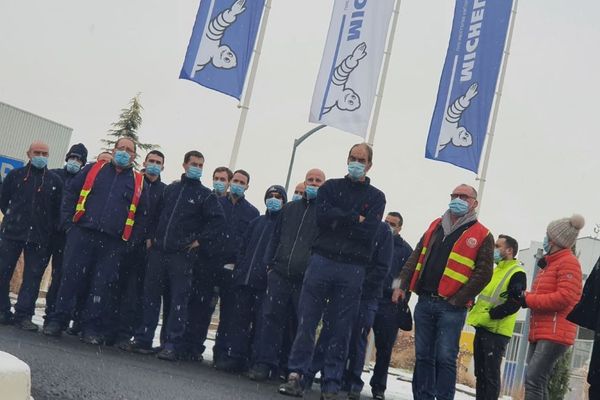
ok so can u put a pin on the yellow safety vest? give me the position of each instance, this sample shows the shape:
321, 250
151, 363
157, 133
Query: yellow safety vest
494, 294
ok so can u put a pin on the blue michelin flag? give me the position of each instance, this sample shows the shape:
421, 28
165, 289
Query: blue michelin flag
220, 49
466, 92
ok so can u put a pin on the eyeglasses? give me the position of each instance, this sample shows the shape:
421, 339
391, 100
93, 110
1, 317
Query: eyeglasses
464, 197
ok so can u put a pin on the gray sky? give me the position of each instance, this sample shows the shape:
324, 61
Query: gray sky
78, 62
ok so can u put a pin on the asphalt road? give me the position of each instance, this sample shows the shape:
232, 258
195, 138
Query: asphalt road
67, 369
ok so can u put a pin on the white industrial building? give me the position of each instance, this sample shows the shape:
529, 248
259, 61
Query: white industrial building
18, 128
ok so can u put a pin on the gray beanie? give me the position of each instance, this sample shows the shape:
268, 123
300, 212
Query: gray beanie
563, 232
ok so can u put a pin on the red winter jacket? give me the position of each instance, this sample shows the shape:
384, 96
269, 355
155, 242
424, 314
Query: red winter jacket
555, 291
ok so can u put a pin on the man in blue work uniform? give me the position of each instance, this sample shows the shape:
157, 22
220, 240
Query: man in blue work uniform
287, 257
249, 284
238, 212
99, 209
127, 307
30, 202
75, 160
371, 293
349, 212
191, 215
386, 324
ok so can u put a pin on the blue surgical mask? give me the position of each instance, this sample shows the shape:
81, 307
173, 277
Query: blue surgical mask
194, 172
273, 204
219, 186
73, 166
153, 169
122, 158
296, 197
497, 256
546, 245
356, 170
39, 162
311, 192
458, 207
237, 189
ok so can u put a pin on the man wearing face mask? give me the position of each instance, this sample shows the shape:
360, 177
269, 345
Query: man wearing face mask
75, 159
349, 212
286, 256
298, 191
127, 307
249, 283
221, 178
99, 210
494, 315
190, 217
238, 212
451, 264
30, 202
555, 291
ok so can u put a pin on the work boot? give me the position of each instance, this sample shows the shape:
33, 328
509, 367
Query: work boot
6, 318
52, 328
228, 364
292, 387
378, 394
74, 330
134, 346
26, 325
167, 355
259, 372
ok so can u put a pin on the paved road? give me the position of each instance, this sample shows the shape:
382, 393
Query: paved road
67, 369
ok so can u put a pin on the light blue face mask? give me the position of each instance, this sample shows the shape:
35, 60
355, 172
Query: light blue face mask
194, 173
237, 189
122, 158
546, 245
273, 204
458, 207
497, 256
153, 169
73, 166
296, 197
311, 192
356, 170
39, 161
219, 186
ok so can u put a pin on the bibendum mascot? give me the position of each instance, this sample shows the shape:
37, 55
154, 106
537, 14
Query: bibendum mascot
450, 131
340, 96
211, 50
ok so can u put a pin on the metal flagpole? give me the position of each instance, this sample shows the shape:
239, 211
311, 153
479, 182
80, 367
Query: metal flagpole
492, 128
386, 64
245, 103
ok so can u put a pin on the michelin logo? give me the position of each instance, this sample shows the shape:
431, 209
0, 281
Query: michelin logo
451, 132
211, 51
344, 98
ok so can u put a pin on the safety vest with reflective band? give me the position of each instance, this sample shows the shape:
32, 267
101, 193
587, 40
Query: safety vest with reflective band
494, 294
461, 260
88, 184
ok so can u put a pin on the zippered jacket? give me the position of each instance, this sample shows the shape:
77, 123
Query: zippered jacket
555, 291
293, 236
190, 212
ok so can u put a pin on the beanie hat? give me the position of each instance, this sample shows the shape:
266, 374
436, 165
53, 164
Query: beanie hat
279, 189
78, 150
563, 232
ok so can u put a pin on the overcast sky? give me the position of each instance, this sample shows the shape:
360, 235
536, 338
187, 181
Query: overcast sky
79, 62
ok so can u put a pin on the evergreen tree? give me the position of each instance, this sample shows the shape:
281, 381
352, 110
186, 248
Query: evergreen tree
558, 384
127, 126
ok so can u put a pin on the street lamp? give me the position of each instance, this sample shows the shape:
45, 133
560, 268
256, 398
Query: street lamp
297, 143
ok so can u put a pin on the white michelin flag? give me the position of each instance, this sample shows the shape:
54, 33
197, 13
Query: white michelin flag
347, 82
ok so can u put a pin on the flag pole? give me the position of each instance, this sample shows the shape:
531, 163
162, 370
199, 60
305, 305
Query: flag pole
245, 103
490, 135
384, 71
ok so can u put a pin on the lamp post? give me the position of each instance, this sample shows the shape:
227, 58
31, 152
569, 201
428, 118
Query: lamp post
297, 143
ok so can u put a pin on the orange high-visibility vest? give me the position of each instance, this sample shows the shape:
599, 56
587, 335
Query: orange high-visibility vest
461, 260
88, 184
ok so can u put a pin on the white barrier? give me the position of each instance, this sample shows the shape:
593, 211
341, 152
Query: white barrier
15, 378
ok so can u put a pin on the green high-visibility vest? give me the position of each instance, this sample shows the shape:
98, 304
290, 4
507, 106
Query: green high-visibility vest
494, 294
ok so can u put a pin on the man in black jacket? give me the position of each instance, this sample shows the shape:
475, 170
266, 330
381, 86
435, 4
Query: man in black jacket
349, 212
30, 202
190, 217
286, 257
